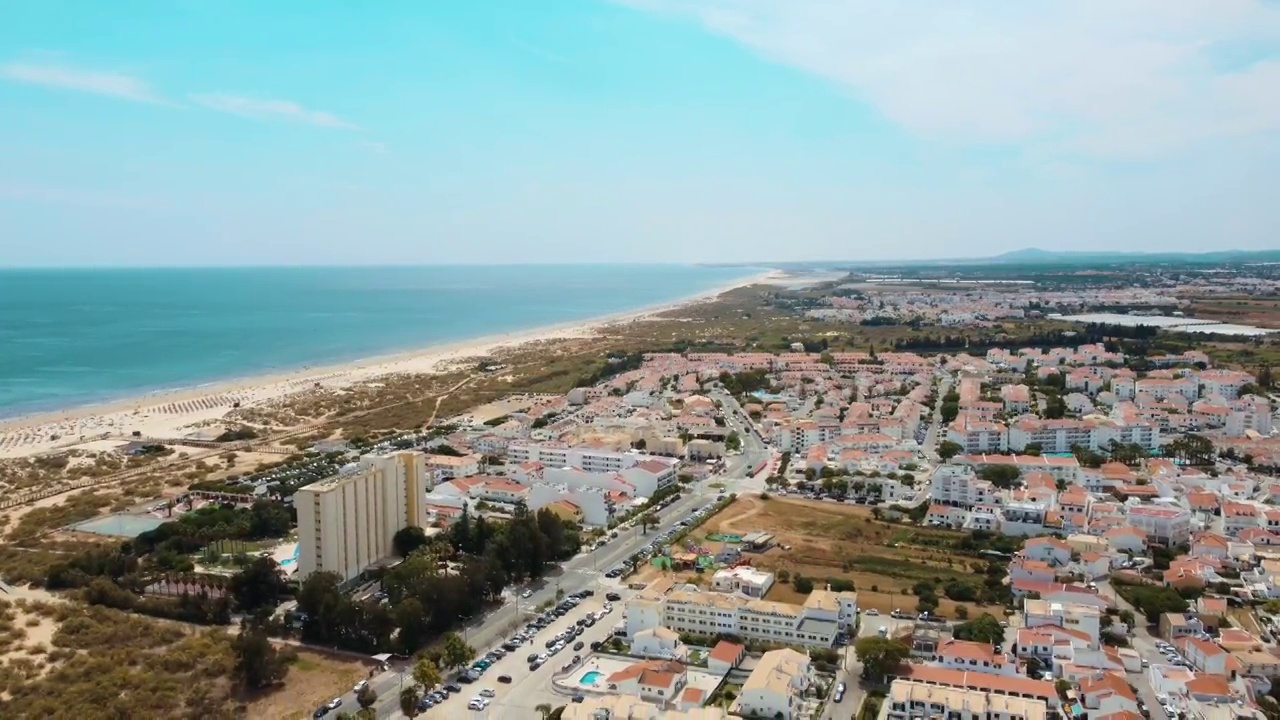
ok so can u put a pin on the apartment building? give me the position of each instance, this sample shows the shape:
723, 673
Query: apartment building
346, 522
448, 467
1249, 415
1166, 525
1224, 383
913, 700
1165, 388
976, 435
1085, 619
816, 623
800, 435
632, 472
1017, 398
1066, 469
959, 486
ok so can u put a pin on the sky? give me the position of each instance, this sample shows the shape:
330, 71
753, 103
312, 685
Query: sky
240, 132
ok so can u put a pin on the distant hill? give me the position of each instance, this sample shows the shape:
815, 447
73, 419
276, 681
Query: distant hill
1037, 256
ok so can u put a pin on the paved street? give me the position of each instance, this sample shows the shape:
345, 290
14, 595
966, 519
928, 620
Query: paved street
1144, 643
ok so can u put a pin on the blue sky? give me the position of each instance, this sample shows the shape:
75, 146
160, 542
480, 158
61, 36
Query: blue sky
236, 133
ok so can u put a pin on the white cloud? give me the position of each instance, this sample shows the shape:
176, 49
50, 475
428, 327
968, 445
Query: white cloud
376, 148
1107, 77
64, 77
269, 109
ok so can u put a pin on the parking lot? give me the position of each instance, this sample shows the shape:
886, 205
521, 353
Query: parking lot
516, 675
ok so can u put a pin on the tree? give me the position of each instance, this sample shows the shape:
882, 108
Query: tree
456, 651
880, 656
802, 584
425, 673
950, 411
648, 520
733, 441
948, 449
257, 662
1002, 476
543, 709
408, 539
366, 697
409, 698
258, 584
984, 629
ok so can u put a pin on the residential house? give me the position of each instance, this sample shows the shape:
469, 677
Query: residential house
775, 688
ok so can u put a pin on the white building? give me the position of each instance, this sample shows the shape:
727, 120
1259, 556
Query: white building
959, 486
346, 523
1166, 525
661, 472
816, 623
744, 580
978, 436
775, 689
912, 700
974, 656
1223, 383
1072, 616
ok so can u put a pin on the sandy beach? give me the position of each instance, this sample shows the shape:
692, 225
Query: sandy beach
184, 412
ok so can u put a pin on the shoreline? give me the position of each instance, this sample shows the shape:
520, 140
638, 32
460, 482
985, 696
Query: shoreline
173, 409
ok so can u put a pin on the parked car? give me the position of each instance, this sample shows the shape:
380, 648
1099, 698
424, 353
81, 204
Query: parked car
504, 679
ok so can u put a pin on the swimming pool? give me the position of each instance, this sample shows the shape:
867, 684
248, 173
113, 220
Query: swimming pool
590, 677
291, 560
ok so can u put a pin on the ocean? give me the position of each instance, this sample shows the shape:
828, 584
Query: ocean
75, 337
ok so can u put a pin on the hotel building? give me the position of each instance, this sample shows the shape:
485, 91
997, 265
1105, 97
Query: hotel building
346, 522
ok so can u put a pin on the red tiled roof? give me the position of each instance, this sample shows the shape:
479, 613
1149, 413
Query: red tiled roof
979, 681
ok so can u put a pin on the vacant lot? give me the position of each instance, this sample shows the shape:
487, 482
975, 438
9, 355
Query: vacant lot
1243, 309
822, 540
61, 660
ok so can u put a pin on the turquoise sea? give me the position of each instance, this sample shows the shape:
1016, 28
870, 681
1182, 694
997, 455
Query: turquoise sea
73, 337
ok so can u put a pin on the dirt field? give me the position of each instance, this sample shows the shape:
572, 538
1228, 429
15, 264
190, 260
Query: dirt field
822, 540
313, 679
1243, 309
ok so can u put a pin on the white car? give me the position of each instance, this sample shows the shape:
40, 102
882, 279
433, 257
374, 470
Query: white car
873, 612
526, 594
488, 693
360, 686
335, 703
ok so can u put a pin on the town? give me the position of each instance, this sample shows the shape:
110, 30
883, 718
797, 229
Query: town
1009, 531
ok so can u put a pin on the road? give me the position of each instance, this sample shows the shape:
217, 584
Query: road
935, 421
1144, 643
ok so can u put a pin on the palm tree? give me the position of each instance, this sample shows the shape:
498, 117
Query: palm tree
543, 709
